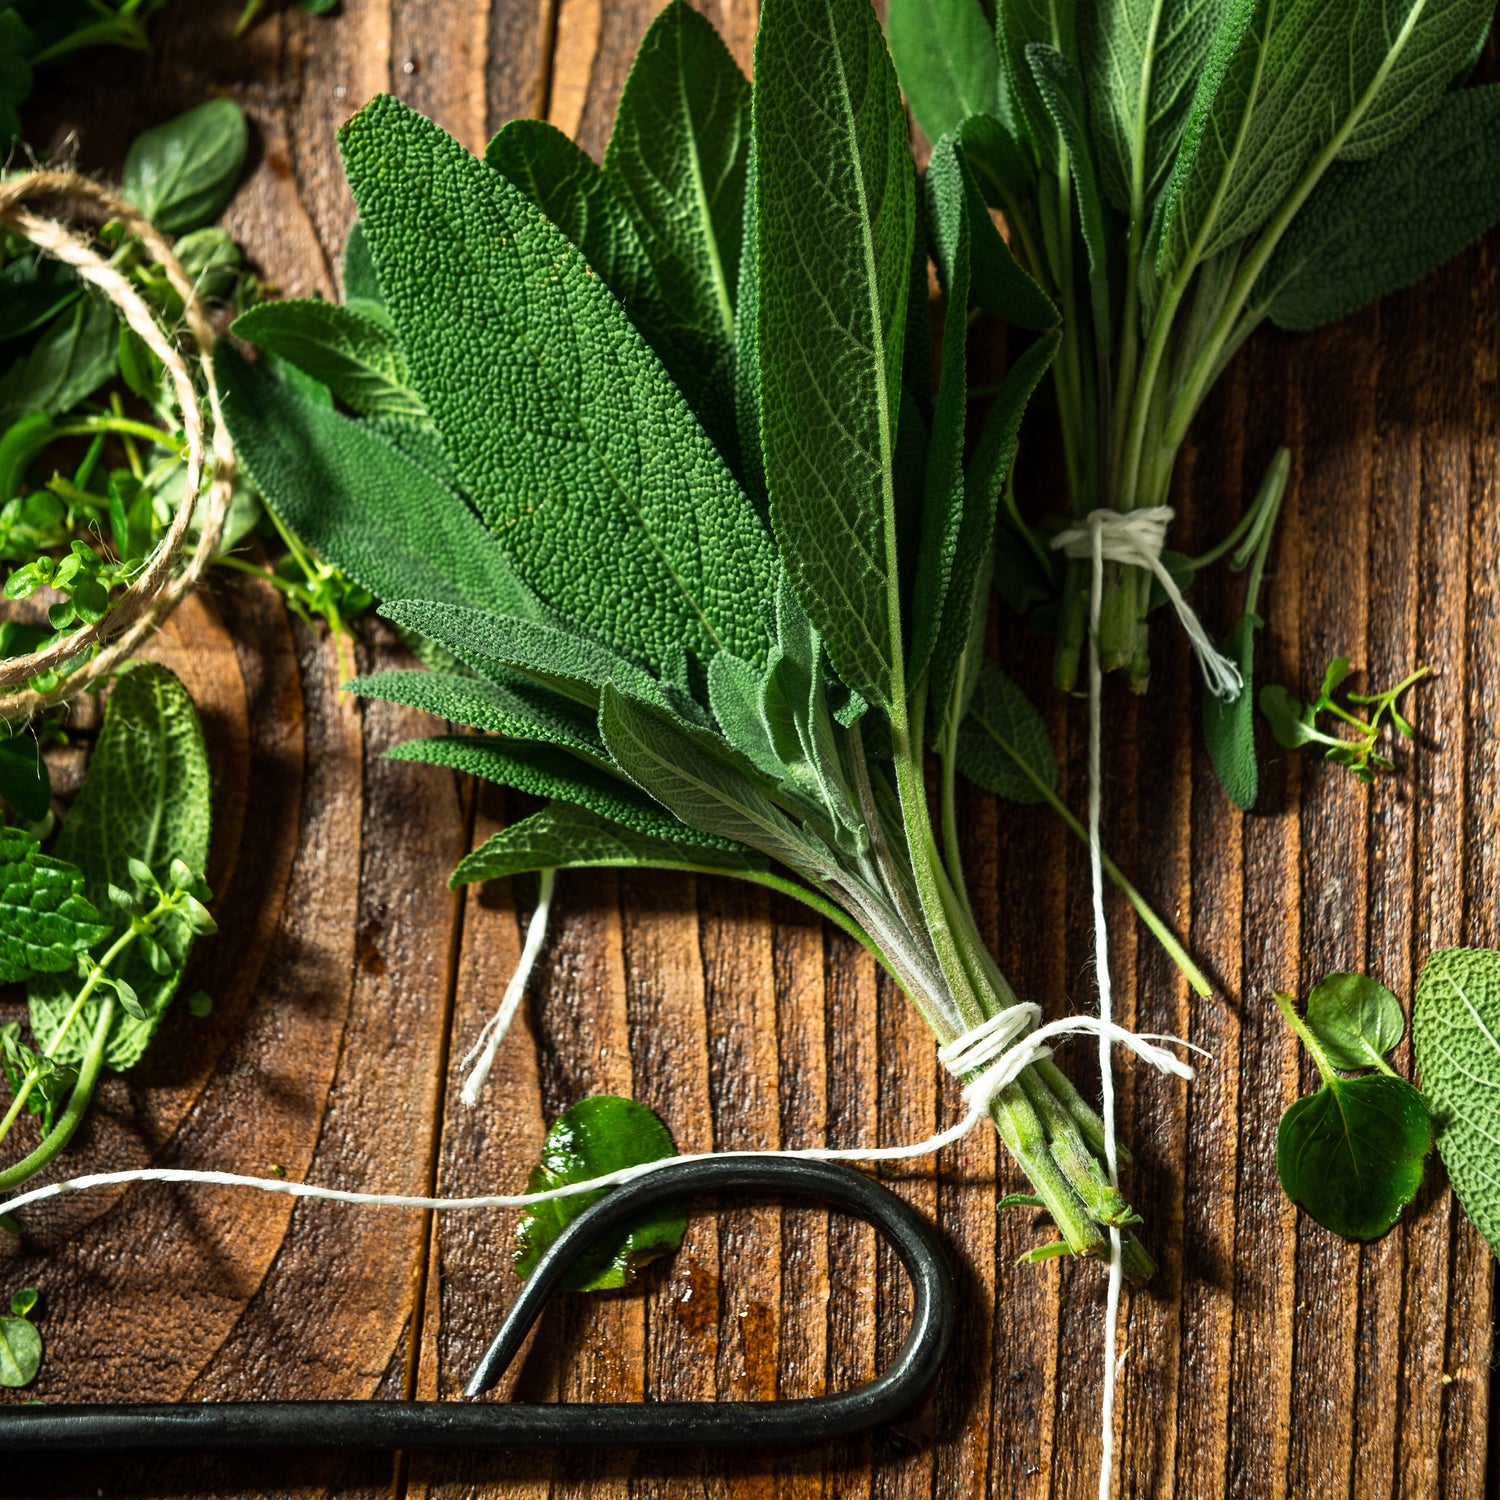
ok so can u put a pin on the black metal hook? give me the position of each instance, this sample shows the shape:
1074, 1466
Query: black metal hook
502, 1424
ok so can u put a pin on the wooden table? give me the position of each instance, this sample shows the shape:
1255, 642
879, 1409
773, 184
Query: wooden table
1267, 1358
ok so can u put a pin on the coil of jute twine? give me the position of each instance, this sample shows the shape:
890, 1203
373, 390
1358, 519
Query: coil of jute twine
172, 570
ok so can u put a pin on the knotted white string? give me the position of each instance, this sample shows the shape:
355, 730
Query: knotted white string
1136, 538
1003, 1046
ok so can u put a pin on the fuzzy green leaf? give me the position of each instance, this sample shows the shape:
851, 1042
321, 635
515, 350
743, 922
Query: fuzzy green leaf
577, 448
361, 284
1455, 1028
676, 161
1373, 227
705, 783
1019, 24
835, 204
380, 516
498, 645
569, 838
1229, 728
1003, 744
180, 174
945, 56
518, 710
1355, 1019
543, 772
597, 1136
1288, 81
1000, 286
146, 797
747, 348
353, 356
45, 918
1142, 59
1352, 1154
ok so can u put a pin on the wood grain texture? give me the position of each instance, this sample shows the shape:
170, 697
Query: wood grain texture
1266, 1359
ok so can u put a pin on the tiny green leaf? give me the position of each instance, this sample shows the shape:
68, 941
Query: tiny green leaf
1455, 1029
595, 1137
20, 1352
1357, 1020
22, 1302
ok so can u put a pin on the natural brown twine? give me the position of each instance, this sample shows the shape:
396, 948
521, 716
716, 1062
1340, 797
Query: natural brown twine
157, 590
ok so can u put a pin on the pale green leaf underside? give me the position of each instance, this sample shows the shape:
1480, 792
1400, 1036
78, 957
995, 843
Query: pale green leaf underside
577, 448
1003, 744
1456, 1034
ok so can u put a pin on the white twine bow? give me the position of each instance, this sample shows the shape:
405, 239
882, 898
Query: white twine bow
1136, 538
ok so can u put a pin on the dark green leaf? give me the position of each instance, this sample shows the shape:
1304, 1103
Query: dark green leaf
567, 837
379, 515
578, 450
519, 710
1018, 24
1455, 1027
1351, 1155
1003, 744
835, 205
676, 161
24, 780
20, 1352
1229, 728
77, 352
34, 289
945, 56
1373, 227
180, 174
1000, 286
146, 796
1355, 1019
353, 356
45, 917
361, 284
597, 1136
543, 772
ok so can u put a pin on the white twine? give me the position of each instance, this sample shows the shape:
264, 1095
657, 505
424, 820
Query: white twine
495, 1029
1136, 538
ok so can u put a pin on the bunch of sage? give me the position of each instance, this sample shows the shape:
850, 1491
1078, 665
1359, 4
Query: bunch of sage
1172, 173
647, 459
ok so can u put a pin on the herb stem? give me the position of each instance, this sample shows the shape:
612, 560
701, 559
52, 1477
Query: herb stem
78, 1103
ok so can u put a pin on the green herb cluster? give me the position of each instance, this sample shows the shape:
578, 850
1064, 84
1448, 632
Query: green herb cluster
648, 456
100, 928
1174, 172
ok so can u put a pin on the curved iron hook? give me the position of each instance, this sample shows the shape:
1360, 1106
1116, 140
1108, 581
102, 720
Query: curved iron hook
504, 1424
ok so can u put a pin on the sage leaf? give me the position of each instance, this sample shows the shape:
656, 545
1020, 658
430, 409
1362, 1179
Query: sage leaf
676, 162
361, 285
20, 1352
1373, 227
33, 290
1455, 1028
497, 646
45, 917
520, 710
1142, 59
577, 448
1000, 286
593, 1138
1003, 745
1355, 1019
379, 515
542, 772
835, 209
747, 349
566, 837
180, 174
1351, 1155
353, 356
945, 57
703, 782
1229, 728
146, 797
1019, 24
1003, 171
